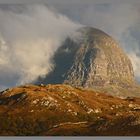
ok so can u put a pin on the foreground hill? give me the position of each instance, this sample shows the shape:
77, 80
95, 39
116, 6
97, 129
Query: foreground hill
65, 110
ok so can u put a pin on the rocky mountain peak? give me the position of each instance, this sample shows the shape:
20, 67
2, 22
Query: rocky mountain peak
91, 58
99, 61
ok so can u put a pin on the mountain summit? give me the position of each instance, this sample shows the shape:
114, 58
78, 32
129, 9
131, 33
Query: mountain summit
91, 58
99, 61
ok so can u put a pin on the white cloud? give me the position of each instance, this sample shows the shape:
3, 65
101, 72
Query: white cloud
29, 40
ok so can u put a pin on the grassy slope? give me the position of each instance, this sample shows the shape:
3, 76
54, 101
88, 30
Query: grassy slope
40, 110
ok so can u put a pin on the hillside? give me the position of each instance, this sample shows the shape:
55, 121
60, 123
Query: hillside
90, 92
65, 110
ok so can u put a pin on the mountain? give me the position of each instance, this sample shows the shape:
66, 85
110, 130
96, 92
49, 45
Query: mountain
78, 98
90, 58
99, 61
50, 110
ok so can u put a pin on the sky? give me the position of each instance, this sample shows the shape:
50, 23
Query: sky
31, 33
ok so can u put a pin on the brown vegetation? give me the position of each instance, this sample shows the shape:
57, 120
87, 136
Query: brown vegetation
65, 110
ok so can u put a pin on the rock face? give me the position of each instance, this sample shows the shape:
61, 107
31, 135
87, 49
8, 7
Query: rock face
91, 58
99, 61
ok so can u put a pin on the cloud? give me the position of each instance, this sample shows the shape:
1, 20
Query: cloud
28, 39
114, 18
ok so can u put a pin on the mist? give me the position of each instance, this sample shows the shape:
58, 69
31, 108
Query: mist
29, 36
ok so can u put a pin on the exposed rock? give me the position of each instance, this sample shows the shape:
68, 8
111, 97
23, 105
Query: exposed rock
131, 105
99, 61
137, 108
32, 111
90, 110
97, 111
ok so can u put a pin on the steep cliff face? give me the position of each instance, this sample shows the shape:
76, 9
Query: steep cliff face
98, 61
